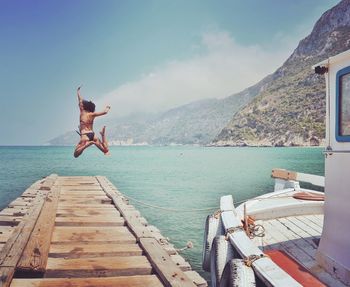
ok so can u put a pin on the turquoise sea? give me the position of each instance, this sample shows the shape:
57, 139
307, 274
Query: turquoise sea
179, 177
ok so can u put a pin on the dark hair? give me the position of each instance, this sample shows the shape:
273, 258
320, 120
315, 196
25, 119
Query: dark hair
88, 106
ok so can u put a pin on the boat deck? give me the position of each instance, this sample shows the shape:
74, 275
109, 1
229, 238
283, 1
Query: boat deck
81, 231
298, 236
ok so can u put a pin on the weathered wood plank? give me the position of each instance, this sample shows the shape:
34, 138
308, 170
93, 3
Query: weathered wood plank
87, 200
122, 281
70, 212
167, 270
75, 250
10, 211
12, 250
181, 262
196, 278
35, 254
81, 188
93, 234
307, 222
77, 206
90, 221
99, 266
131, 219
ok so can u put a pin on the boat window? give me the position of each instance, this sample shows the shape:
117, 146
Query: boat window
343, 105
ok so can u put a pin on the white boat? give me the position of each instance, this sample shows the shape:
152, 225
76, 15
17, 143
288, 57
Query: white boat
292, 236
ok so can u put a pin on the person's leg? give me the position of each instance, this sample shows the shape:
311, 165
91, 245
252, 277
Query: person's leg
81, 146
100, 145
104, 140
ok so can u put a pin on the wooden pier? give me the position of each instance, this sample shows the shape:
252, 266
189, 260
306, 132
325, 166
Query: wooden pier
81, 231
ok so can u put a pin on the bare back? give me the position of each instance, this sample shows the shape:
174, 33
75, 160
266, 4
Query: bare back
86, 121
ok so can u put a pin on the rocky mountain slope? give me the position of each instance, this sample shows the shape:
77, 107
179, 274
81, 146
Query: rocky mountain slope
290, 110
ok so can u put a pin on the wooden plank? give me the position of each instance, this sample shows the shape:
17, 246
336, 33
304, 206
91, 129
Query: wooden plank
75, 250
299, 255
317, 219
196, 278
10, 211
70, 212
5, 233
99, 266
292, 175
81, 188
93, 234
87, 200
181, 262
75, 194
137, 228
12, 250
84, 206
295, 245
122, 281
301, 228
167, 270
34, 256
307, 221
90, 221
9, 220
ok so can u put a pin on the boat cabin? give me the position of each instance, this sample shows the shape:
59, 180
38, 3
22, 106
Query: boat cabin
333, 253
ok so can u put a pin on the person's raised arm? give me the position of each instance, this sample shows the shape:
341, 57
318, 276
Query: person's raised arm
106, 110
80, 99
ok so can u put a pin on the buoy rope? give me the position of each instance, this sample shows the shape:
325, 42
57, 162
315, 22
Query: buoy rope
167, 208
218, 212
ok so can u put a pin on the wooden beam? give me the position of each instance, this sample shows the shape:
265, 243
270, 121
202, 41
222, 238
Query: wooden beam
98, 267
12, 250
284, 174
170, 274
80, 250
131, 220
298, 176
125, 281
35, 254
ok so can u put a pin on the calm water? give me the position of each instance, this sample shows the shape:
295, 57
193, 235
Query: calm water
175, 177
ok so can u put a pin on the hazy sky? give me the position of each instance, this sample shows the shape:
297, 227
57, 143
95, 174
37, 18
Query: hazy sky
137, 56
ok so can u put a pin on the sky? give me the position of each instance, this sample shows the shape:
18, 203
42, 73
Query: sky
136, 56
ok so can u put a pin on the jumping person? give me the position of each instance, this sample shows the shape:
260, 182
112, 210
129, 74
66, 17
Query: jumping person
87, 135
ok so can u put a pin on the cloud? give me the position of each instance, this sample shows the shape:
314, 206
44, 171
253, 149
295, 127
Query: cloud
222, 69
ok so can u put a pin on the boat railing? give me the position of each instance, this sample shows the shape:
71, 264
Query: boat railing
292, 176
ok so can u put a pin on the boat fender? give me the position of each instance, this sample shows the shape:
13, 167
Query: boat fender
213, 227
222, 251
237, 274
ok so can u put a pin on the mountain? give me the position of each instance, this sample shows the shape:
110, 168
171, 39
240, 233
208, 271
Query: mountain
195, 123
291, 108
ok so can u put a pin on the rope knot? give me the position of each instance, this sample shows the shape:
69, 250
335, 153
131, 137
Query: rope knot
232, 230
217, 213
248, 261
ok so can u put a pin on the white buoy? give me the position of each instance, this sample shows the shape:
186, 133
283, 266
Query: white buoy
222, 251
237, 274
213, 227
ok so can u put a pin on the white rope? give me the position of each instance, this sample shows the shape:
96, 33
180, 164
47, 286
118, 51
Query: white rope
198, 209
167, 208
